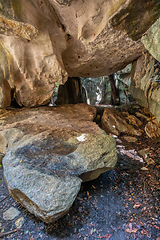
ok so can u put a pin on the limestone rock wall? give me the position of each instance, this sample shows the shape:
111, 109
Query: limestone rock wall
151, 40
50, 40
145, 83
145, 80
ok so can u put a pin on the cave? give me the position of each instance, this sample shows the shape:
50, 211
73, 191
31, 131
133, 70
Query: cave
79, 119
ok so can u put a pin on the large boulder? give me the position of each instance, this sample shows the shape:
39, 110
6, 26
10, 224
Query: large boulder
118, 122
51, 39
151, 40
49, 152
145, 82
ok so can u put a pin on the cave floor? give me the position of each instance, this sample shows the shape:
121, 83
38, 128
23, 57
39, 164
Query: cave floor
120, 204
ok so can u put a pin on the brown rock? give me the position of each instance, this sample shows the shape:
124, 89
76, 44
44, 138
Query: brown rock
152, 129
53, 39
49, 152
116, 122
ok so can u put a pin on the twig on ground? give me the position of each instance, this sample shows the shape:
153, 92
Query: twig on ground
4, 198
7, 233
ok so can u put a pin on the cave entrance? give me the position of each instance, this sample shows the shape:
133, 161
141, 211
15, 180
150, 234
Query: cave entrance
98, 91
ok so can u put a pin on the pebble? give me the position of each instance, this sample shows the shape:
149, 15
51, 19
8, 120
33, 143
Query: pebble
10, 214
130, 139
144, 169
19, 222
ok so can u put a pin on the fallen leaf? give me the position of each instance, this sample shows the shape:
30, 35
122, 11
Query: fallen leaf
39, 189
93, 186
137, 205
156, 226
128, 230
144, 232
87, 193
21, 161
106, 236
144, 169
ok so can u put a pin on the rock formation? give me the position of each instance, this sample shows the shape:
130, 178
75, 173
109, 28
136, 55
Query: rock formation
120, 122
151, 40
145, 76
49, 152
145, 83
45, 41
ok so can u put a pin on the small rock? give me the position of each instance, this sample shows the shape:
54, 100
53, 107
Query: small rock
145, 154
138, 114
144, 169
149, 161
134, 121
116, 122
1, 157
10, 214
152, 129
118, 141
130, 139
19, 222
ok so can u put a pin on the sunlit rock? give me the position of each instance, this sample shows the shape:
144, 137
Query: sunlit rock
151, 40
145, 82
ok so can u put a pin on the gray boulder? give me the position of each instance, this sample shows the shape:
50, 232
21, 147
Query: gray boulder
54, 150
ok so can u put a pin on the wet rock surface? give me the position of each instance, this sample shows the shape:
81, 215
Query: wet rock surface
49, 152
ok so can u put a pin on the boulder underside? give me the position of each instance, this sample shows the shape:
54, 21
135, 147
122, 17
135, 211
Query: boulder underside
44, 42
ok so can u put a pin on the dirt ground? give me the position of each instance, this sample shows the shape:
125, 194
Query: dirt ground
120, 204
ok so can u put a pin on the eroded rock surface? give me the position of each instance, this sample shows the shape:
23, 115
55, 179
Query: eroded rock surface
120, 122
49, 40
151, 40
49, 152
145, 83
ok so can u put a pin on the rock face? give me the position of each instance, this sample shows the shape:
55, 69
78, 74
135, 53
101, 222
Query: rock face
145, 82
49, 152
151, 40
120, 122
45, 41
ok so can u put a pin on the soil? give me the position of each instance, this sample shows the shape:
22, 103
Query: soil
120, 204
